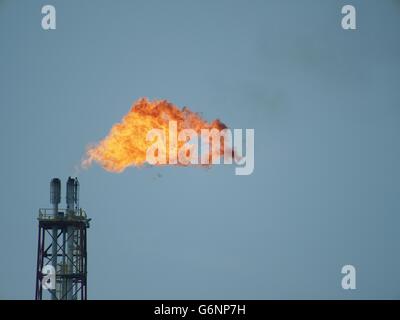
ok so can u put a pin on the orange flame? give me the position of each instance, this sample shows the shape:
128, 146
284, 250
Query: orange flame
126, 143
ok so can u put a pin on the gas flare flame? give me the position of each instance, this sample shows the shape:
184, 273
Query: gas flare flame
126, 144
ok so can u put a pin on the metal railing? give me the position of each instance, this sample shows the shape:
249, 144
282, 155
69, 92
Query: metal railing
63, 214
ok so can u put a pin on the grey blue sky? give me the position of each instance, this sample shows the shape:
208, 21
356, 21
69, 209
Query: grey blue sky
324, 103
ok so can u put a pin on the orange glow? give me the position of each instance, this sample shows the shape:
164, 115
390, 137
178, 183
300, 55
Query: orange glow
126, 144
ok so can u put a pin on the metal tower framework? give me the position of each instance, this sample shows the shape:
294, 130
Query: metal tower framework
62, 244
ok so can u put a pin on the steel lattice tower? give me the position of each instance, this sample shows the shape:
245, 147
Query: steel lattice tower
62, 246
